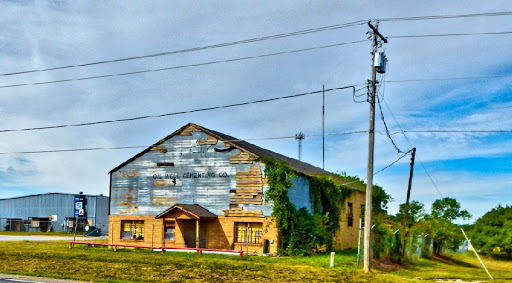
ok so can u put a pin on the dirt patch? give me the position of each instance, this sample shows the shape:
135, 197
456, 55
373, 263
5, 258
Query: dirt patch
452, 261
388, 265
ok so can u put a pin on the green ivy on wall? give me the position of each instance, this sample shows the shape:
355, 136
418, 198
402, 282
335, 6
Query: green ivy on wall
300, 232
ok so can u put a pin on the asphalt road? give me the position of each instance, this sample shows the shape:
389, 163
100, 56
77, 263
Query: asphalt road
7, 278
48, 238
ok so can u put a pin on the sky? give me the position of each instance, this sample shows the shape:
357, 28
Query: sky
455, 83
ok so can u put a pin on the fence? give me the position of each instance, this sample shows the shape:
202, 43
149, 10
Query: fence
33, 224
162, 249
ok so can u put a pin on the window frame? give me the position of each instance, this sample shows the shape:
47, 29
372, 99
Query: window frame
135, 230
172, 225
250, 232
350, 214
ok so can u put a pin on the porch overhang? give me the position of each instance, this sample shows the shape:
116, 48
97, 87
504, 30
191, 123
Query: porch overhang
194, 211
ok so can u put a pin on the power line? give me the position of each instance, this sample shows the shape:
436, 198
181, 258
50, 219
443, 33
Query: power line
385, 125
449, 79
263, 38
219, 45
392, 163
452, 131
410, 144
74, 150
449, 34
173, 113
183, 66
231, 140
146, 146
444, 17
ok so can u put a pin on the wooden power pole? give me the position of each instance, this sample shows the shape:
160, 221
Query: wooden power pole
406, 208
376, 37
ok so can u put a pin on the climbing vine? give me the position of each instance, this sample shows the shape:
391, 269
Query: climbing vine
303, 233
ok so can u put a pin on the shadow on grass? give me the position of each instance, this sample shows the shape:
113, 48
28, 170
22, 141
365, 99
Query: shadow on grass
452, 261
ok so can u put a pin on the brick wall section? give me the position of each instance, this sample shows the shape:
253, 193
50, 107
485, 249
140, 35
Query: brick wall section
347, 237
114, 235
219, 232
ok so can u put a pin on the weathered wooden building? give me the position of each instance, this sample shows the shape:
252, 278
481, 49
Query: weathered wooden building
201, 188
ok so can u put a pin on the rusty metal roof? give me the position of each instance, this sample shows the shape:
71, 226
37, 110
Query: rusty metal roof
194, 209
296, 165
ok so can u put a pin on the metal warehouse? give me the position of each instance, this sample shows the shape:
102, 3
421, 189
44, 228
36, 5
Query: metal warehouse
54, 212
203, 189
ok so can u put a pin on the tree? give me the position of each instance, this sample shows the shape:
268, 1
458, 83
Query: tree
380, 200
493, 231
415, 213
445, 233
449, 209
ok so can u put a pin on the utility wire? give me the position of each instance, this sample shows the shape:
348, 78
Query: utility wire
146, 146
73, 150
393, 163
183, 66
450, 79
232, 140
449, 34
410, 144
264, 38
252, 57
451, 131
173, 113
384, 168
386, 126
443, 17
219, 45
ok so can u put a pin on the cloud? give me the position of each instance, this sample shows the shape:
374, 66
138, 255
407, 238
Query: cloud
50, 34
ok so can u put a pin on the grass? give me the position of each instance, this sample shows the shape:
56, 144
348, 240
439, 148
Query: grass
100, 264
25, 233
458, 266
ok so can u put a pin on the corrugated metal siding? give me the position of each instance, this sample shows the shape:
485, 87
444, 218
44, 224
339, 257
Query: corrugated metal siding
299, 194
101, 213
200, 175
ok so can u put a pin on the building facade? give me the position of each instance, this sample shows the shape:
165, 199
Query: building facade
53, 212
201, 188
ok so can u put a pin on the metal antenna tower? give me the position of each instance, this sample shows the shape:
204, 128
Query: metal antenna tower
300, 136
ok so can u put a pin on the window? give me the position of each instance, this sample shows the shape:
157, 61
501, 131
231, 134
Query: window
246, 232
170, 225
132, 229
350, 214
363, 212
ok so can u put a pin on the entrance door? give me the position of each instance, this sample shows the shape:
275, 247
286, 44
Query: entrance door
188, 230
189, 233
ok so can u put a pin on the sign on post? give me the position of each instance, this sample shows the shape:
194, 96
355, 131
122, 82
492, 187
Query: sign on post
80, 205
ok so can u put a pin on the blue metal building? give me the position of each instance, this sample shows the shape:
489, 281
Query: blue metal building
53, 212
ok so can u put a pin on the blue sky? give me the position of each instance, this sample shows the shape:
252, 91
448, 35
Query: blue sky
472, 167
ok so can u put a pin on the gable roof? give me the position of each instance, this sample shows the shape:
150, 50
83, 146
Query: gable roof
256, 151
194, 209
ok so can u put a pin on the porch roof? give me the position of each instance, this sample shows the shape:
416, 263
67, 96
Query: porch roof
195, 210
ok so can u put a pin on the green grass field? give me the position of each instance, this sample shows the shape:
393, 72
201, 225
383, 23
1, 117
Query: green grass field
55, 259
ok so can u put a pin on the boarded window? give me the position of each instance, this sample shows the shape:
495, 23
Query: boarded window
170, 226
132, 229
248, 232
350, 214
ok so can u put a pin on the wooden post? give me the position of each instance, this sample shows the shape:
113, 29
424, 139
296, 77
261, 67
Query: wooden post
197, 233
406, 208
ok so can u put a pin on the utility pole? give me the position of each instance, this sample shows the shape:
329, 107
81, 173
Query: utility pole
300, 136
406, 208
376, 38
323, 127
